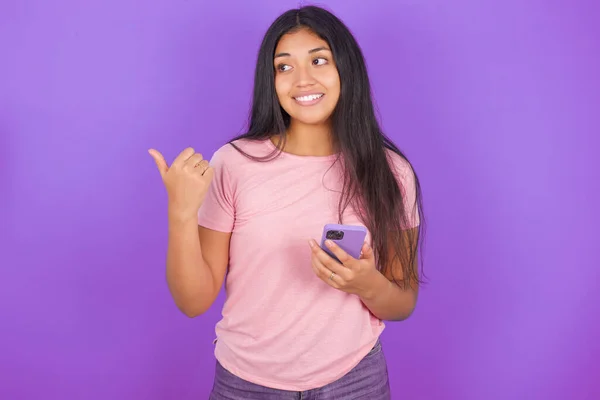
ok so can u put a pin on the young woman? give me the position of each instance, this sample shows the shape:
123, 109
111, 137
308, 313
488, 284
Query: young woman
296, 322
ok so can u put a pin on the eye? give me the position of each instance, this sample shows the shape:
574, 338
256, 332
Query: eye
319, 61
283, 67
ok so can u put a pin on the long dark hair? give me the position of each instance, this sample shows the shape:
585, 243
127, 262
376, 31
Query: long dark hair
369, 185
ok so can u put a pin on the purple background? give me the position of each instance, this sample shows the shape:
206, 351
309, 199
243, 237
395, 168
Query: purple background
494, 102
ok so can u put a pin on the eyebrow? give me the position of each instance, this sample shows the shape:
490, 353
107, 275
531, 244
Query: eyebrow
315, 50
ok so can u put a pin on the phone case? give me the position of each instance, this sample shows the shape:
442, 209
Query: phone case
348, 237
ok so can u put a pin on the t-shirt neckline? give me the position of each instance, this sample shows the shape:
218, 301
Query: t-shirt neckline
272, 147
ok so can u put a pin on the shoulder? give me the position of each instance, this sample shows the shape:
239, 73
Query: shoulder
232, 153
235, 161
407, 182
400, 166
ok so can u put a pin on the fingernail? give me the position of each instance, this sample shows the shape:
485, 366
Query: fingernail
311, 244
329, 243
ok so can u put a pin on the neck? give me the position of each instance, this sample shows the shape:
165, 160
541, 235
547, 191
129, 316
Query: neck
308, 140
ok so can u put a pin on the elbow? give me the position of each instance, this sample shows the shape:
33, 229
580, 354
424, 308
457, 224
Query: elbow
404, 312
404, 315
191, 313
399, 317
192, 310
191, 303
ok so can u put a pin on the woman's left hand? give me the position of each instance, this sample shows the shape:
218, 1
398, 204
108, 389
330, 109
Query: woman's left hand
352, 275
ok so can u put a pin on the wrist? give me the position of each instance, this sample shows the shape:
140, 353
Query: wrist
179, 217
375, 284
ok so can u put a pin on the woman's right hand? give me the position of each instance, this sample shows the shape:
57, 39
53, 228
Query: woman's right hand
187, 181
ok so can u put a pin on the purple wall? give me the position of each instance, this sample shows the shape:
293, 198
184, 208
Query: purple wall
495, 105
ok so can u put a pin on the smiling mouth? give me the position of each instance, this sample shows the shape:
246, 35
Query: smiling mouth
309, 99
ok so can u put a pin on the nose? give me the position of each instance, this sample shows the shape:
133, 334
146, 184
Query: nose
304, 76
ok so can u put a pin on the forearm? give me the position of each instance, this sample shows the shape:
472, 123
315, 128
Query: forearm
386, 300
189, 278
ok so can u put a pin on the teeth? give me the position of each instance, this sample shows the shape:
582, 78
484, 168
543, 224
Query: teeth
309, 98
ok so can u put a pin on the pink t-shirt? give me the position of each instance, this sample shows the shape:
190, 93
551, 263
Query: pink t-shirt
282, 327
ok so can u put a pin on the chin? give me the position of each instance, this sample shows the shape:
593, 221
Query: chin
312, 121
308, 119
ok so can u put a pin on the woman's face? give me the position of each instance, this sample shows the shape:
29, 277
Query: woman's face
306, 78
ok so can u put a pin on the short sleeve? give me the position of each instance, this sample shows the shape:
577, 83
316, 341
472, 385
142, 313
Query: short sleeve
409, 192
405, 177
217, 211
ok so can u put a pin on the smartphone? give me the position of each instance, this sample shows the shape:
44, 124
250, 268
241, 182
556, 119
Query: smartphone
349, 238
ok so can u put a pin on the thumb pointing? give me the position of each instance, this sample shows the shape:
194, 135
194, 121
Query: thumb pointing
161, 164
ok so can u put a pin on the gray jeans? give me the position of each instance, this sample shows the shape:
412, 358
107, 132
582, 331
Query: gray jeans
368, 380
